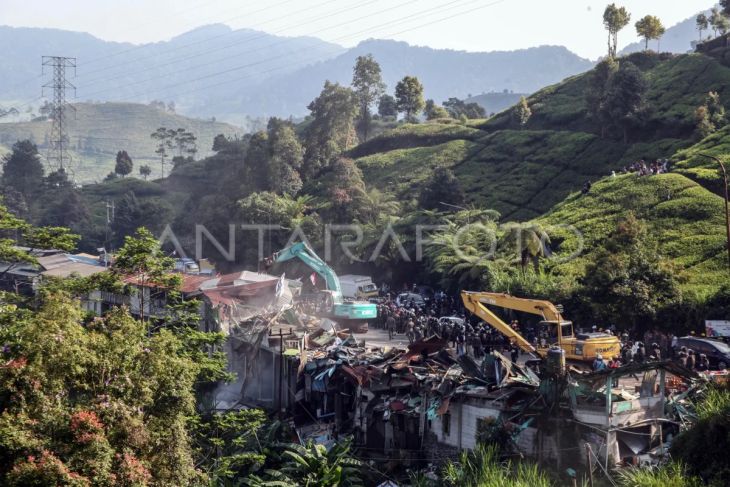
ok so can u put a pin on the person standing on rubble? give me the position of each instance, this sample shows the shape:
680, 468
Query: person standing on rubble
390, 324
410, 332
460, 341
514, 353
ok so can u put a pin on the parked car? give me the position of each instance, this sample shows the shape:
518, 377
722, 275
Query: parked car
454, 320
404, 299
718, 353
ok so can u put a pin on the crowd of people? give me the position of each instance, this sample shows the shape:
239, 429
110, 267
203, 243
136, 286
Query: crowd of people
663, 347
444, 316
640, 167
644, 168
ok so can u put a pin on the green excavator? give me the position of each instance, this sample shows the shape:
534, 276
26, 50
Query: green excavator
350, 314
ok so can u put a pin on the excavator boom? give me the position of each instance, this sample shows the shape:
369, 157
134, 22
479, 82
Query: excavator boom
474, 302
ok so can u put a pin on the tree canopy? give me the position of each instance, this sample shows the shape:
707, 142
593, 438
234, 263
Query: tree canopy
22, 168
124, 164
368, 85
387, 106
650, 28
614, 19
409, 97
331, 129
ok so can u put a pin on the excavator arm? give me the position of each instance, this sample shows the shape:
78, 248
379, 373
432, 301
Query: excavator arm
546, 309
473, 302
302, 252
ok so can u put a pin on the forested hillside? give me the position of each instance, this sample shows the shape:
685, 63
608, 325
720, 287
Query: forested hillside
97, 131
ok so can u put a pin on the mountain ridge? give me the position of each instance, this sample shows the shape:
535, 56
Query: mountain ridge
215, 70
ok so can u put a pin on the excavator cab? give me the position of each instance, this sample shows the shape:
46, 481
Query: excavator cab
554, 333
551, 328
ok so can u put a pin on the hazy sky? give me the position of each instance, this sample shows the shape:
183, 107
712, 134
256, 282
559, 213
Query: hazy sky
473, 25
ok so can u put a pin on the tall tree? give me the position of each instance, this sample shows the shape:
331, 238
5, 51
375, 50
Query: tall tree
164, 138
725, 4
625, 98
650, 28
185, 142
523, 112
596, 93
387, 107
409, 97
22, 168
702, 23
124, 163
368, 85
257, 162
286, 155
332, 127
614, 19
718, 21
722, 24
145, 171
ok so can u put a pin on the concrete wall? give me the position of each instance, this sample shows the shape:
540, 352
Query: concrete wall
464, 419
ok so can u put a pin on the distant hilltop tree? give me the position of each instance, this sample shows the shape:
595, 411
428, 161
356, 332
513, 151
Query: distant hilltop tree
614, 19
124, 164
145, 171
650, 28
368, 85
387, 107
458, 108
432, 111
409, 97
702, 23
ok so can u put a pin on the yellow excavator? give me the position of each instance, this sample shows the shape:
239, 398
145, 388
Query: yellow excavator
582, 347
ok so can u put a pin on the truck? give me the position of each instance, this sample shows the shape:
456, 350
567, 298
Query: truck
358, 287
350, 313
584, 347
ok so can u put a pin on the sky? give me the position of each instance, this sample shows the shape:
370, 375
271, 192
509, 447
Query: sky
471, 25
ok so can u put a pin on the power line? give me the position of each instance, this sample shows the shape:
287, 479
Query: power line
237, 68
260, 48
201, 41
307, 61
144, 46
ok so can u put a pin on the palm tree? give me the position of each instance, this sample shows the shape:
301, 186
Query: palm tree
528, 241
312, 465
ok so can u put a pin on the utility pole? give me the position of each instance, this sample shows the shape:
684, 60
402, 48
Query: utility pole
727, 211
109, 220
58, 154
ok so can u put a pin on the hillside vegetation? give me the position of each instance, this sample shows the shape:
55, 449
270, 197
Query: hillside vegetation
98, 130
686, 219
524, 171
